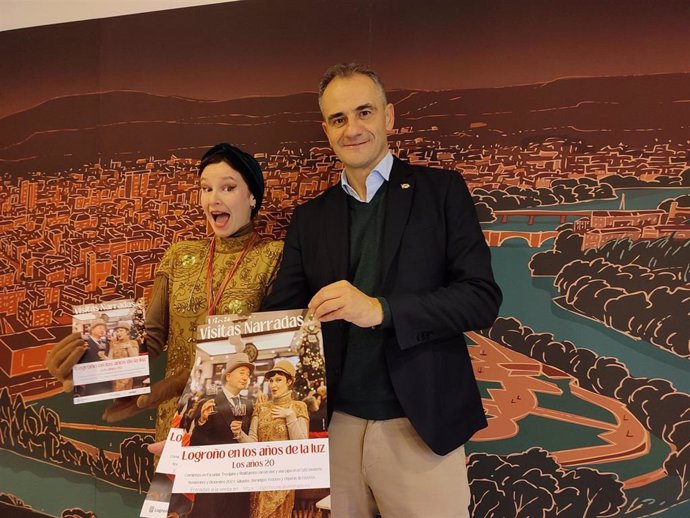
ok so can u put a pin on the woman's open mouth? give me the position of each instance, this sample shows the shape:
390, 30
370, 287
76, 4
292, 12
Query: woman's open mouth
220, 218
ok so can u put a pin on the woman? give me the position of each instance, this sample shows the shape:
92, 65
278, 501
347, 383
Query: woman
122, 346
226, 274
280, 419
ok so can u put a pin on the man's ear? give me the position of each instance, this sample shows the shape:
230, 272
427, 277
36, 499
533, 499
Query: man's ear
390, 117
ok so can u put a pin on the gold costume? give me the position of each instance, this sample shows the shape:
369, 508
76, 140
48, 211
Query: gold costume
179, 302
279, 503
123, 349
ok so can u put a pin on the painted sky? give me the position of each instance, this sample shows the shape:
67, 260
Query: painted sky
262, 47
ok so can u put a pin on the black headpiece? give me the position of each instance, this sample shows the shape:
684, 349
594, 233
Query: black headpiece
243, 163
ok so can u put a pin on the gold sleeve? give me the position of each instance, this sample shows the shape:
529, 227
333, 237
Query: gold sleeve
157, 318
300, 409
275, 252
157, 321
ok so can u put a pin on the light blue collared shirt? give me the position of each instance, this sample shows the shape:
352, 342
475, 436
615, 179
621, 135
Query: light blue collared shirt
378, 175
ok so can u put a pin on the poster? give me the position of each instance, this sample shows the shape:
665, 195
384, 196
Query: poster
113, 364
250, 427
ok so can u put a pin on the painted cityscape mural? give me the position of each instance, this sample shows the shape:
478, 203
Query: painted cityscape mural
570, 123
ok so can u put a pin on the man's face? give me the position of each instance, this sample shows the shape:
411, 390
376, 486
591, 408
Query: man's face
356, 121
237, 380
98, 331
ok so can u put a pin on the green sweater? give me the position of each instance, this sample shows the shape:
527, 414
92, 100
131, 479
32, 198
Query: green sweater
365, 389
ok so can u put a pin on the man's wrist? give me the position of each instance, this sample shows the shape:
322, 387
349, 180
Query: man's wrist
385, 314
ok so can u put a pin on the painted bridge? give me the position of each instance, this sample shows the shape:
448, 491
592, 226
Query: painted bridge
533, 239
504, 215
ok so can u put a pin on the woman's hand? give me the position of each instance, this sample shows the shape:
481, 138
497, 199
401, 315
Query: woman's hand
160, 392
279, 412
62, 358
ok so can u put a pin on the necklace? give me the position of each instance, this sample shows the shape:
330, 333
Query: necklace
212, 299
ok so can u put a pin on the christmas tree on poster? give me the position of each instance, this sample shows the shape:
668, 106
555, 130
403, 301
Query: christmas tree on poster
311, 369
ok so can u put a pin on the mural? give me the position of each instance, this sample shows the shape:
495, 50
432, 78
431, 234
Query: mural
569, 124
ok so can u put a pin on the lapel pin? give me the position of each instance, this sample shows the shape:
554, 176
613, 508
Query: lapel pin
405, 185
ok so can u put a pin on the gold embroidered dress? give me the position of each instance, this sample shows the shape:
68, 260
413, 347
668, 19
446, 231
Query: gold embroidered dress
123, 349
179, 301
279, 503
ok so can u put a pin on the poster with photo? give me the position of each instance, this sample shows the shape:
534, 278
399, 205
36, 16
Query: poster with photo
252, 419
157, 500
113, 364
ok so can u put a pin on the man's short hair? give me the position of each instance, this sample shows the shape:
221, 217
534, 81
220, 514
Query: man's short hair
348, 70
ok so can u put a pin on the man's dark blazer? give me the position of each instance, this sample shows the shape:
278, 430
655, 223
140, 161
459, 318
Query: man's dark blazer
438, 282
91, 355
216, 430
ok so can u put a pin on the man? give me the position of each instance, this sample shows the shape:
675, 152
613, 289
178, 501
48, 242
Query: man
95, 345
220, 425
223, 425
96, 342
215, 422
393, 262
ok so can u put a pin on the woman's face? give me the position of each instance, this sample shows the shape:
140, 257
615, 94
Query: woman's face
278, 384
225, 199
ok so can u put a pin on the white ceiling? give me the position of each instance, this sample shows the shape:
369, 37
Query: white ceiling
16, 14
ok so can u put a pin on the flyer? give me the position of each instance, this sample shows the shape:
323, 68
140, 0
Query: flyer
113, 364
157, 501
252, 417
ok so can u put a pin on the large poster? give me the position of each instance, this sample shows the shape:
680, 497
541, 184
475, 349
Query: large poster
568, 120
250, 428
